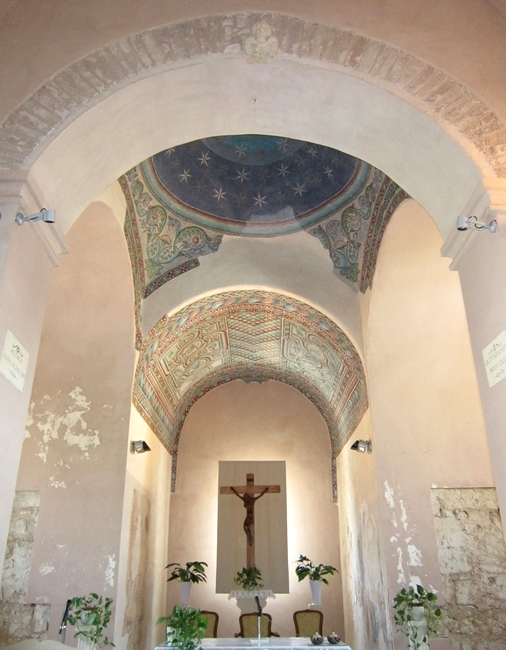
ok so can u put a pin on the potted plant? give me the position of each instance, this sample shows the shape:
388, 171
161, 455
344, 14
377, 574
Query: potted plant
249, 578
416, 615
315, 572
90, 615
192, 572
186, 627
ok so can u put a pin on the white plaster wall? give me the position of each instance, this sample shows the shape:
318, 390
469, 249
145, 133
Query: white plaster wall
149, 474
76, 436
482, 275
426, 414
271, 421
23, 289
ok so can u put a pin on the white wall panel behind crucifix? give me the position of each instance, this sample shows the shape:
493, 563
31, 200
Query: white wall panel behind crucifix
252, 533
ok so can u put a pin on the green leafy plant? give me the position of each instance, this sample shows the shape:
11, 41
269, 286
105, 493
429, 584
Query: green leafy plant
404, 603
91, 615
306, 569
187, 627
249, 578
193, 572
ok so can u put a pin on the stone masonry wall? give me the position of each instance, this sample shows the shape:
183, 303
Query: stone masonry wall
17, 619
472, 556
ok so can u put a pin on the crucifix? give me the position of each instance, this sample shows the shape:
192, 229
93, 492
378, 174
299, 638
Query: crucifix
246, 494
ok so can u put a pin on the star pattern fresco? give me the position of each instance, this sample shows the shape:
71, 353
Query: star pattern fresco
254, 178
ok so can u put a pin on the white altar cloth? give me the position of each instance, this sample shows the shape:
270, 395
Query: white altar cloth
279, 643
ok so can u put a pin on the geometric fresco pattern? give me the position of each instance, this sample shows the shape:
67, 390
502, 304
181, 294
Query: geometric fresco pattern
254, 336
182, 201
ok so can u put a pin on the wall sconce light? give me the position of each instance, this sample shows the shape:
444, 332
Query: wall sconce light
44, 215
362, 446
464, 223
139, 447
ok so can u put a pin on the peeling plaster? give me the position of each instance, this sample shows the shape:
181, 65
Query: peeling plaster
109, 572
408, 555
69, 425
415, 556
414, 580
45, 569
404, 516
401, 577
56, 484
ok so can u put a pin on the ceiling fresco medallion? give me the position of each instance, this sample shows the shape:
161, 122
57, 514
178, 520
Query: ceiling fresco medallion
248, 335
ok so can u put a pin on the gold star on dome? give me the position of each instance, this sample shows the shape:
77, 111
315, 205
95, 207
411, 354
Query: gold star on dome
219, 195
259, 200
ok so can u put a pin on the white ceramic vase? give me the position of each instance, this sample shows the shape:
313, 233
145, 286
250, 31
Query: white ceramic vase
316, 591
185, 593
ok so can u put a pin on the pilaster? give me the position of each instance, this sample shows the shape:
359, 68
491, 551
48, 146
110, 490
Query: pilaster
27, 254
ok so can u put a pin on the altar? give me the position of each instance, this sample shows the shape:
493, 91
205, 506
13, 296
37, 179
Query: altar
279, 643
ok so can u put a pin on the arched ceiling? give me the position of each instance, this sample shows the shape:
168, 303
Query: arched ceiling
182, 201
254, 336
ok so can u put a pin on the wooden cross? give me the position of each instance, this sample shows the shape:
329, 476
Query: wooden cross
245, 493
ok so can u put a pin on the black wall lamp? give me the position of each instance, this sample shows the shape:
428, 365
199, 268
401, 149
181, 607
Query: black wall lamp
139, 447
362, 446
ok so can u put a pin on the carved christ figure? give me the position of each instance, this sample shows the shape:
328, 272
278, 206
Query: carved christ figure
249, 504
247, 495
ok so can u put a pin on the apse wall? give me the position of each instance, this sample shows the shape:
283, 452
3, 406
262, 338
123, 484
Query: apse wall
270, 421
427, 422
76, 443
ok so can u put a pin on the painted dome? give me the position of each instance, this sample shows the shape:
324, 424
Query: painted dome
254, 185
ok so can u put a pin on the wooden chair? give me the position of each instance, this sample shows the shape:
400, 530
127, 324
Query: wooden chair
249, 625
308, 622
212, 624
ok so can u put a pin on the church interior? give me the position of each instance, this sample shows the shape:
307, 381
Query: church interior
279, 230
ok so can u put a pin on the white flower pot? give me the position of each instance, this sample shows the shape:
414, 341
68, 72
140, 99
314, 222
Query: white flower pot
417, 629
185, 593
316, 591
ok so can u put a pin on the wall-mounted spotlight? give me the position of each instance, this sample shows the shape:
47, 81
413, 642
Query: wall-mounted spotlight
139, 447
464, 223
362, 446
44, 215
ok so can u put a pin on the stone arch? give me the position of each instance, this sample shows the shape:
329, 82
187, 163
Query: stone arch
29, 128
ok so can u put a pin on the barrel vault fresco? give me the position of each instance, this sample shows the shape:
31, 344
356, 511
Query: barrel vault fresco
253, 336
